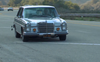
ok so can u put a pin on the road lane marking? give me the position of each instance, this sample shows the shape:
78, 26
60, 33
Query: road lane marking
61, 43
57, 43
6, 15
88, 44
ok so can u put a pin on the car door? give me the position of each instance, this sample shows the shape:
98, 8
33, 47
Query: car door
18, 20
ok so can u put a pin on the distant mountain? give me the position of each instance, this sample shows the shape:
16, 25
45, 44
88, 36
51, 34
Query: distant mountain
4, 2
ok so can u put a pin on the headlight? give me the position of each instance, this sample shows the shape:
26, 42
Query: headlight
64, 26
28, 27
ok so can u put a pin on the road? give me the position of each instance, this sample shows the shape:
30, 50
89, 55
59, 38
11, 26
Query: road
82, 44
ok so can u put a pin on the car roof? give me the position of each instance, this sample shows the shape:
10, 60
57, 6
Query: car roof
31, 6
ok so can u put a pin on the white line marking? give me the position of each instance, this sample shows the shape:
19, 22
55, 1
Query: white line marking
60, 43
88, 44
63, 43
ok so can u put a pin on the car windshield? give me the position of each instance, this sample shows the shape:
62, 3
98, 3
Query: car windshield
40, 12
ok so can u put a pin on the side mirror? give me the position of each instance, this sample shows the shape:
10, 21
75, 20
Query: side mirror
20, 16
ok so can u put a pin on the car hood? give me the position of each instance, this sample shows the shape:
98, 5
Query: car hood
43, 19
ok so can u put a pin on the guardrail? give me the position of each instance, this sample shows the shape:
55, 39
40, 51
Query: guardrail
13, 8
80, 15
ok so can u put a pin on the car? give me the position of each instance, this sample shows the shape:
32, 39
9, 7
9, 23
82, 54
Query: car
10, 9
39, 21
1, 9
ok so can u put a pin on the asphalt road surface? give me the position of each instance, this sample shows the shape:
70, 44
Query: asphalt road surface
82, 44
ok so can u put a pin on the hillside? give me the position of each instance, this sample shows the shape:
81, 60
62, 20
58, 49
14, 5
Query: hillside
91, 5
4, 2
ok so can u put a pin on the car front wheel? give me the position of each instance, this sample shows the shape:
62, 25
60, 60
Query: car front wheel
24, 38
62, 37
17, 35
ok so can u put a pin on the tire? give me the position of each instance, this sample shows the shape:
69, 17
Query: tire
62, 37
17, 35
24, 38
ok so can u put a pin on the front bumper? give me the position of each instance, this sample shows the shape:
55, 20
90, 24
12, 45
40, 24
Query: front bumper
41, 34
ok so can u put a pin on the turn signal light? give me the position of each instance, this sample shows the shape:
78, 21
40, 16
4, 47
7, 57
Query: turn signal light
34, 30
58, 29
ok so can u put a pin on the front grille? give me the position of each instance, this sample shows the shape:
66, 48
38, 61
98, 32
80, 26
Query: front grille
45, 27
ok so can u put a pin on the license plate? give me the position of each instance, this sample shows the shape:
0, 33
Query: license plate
46, 36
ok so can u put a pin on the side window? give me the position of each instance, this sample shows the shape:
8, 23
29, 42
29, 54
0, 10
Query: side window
20, 12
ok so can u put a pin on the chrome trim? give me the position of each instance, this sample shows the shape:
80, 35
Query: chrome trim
45, 27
